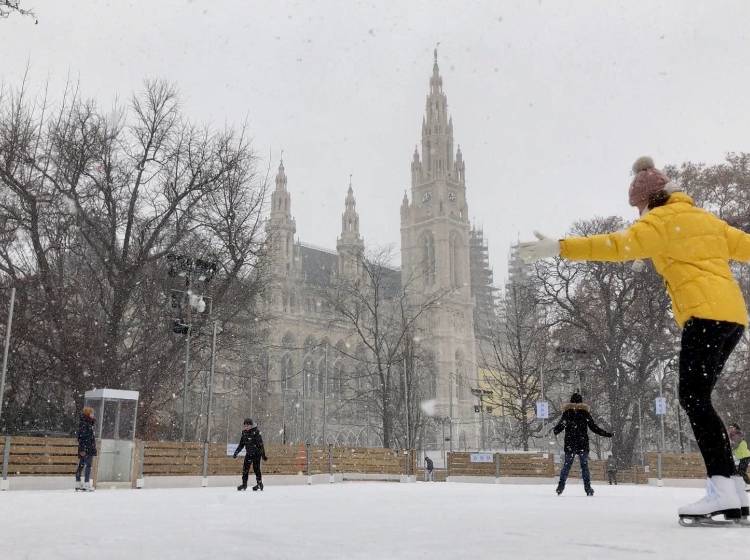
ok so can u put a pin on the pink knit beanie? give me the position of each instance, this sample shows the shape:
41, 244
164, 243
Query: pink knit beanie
647, 181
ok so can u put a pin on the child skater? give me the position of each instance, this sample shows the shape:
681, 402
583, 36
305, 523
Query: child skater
691, 249
252, 442
740, 450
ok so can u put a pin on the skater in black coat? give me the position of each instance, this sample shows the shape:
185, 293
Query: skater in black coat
577, 421
252, 442
86, 447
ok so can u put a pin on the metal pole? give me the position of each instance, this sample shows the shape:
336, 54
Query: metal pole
6, 348
406, 405
640, 433
211, 383
325, 391
450, 412
185, 379
210, 399
481, 407
661, 439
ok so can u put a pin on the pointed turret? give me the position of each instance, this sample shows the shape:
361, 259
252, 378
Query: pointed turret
460, 167
350, 245
281, 227
437, 131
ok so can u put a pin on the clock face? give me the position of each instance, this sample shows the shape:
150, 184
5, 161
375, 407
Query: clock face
426, 197
452, 196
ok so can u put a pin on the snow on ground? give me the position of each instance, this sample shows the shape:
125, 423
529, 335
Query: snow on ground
358, 521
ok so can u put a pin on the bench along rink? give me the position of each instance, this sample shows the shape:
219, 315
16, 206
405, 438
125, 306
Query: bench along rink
370, 520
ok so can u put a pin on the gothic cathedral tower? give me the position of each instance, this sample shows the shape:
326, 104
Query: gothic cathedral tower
435, 260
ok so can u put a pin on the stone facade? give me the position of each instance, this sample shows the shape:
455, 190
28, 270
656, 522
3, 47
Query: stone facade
308, 375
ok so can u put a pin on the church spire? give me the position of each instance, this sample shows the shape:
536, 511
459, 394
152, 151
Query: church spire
350, 245
281, 226
437, 129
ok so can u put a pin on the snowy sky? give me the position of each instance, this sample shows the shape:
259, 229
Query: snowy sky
551, 101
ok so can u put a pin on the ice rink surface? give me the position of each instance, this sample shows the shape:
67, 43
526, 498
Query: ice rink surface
360, 520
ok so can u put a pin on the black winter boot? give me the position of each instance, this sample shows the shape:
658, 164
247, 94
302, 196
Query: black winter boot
258, 486
242, 487
589, 491
560, 487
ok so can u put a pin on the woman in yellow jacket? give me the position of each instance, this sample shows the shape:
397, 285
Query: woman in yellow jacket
691, 249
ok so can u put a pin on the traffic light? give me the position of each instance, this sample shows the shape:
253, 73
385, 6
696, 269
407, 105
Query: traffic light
179, 327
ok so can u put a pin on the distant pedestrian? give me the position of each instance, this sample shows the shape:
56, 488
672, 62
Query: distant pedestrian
612, 470
252, 442
86, 448
429, 467
740, 451
577, 421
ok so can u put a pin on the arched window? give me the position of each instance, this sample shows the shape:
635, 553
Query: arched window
454, 254
428, 258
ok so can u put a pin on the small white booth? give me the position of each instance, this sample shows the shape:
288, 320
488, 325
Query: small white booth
115, 412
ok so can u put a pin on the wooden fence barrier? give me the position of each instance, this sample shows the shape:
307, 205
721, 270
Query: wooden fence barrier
510, 464
677, 465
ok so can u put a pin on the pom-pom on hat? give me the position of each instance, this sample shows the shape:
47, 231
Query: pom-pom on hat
647, 181
576, 398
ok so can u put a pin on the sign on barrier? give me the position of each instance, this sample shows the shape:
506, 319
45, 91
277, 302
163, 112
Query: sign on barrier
542, 410
481, 458
661, 406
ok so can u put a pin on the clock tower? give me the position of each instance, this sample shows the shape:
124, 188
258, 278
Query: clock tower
435, 261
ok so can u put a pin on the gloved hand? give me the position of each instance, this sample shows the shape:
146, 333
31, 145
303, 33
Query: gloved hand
543, 248
235, 456
82, 453
264, 457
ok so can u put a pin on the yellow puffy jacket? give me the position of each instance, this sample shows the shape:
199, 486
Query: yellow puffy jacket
690, 249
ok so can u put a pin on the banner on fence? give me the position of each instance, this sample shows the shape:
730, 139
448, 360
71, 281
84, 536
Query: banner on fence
481, 458
661, 406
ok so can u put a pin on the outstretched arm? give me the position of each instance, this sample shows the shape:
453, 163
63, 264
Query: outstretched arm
643, 240
596, 429
739, 244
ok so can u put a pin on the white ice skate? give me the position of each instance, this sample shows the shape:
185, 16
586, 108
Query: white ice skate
739, 484
721, 499
79, 485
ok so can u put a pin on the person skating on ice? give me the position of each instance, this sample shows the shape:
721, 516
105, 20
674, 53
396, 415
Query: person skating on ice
690, 248
576, 420
86, 448
252, 442
740, 450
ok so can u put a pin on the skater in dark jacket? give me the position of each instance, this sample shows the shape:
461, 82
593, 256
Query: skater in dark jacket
86, 447
577, 421
691, 249
612, 470
252, 442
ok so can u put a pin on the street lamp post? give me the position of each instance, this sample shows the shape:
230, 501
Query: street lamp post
6, 348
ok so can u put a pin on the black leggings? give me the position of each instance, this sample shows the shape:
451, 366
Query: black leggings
253, 460
706, 345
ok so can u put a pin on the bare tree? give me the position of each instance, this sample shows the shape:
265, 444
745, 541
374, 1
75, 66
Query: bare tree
8, 7
97, 200
621, 319
514, 353
385, 318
